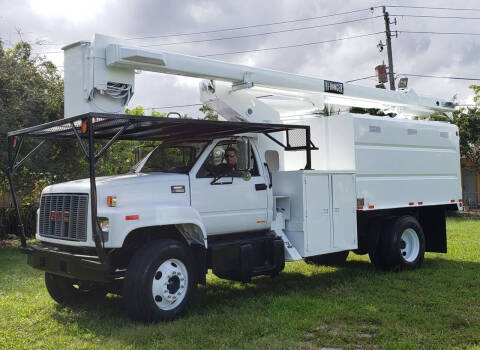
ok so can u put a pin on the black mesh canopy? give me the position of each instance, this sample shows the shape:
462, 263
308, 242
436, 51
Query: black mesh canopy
132, 127
113, 127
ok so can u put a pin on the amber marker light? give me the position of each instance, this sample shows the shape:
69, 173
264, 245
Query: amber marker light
111, 201
84, 126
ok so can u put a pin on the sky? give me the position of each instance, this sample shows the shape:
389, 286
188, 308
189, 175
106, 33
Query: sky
50, 24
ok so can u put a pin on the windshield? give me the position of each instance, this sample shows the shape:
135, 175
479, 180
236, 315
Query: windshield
172, 158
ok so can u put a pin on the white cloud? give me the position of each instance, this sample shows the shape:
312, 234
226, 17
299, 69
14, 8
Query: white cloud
68, 21
204, 11
70, 10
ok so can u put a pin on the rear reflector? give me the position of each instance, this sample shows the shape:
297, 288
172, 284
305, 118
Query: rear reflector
132, 217
371, 206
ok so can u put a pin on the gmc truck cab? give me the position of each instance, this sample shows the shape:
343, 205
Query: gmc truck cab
186, 205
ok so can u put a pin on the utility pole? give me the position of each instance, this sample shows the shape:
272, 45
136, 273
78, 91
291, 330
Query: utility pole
391, 77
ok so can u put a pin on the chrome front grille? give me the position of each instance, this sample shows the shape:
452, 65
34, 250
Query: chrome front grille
64, 216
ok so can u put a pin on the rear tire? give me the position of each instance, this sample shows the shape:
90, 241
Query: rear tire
160, 281
403, 247
376, 233
66, 291
332, 259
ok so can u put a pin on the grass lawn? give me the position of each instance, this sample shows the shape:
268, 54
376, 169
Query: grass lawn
306, 307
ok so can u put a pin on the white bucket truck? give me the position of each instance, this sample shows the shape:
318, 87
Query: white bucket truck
278, 181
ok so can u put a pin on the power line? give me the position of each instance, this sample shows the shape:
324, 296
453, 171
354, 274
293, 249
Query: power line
435, 8
436, 33
358, 79
47, 52
179, 106
193, 104
437, 76
291, 46
264, 33
264, 49
434, 16
252, 26
270, 48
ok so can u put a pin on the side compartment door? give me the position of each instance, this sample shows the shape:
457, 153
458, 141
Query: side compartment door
317, 212
344, 212
235, 202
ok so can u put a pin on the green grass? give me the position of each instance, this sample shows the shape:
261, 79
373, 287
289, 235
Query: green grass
306, 307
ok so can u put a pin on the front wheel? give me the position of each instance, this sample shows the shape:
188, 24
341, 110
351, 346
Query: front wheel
159, 283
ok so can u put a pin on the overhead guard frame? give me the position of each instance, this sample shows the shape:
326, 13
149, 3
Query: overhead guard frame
113, 127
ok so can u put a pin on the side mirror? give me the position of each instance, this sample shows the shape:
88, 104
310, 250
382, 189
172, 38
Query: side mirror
248, 153
246, 175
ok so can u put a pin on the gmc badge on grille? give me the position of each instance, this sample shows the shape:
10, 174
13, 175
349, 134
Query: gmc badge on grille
58, 216
333, 87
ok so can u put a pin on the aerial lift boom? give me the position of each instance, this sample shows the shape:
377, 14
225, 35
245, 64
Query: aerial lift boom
105, 72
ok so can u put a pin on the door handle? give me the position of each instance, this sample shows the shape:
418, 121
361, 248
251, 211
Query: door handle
260, 187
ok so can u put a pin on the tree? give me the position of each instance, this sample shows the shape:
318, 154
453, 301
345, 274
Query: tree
371, 111
468, 122
31, 92
209, 113
135, 111
139, 110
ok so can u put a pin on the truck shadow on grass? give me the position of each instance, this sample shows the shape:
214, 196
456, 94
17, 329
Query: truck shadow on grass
443, 291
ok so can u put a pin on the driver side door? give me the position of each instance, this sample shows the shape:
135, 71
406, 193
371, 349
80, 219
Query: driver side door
233, 203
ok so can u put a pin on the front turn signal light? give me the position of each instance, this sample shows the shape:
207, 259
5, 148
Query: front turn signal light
111, 201
104, 227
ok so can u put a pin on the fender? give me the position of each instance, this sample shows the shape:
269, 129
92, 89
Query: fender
185, 218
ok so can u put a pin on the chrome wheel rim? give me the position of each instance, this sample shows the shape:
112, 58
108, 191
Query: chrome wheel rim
409, 245
170, 284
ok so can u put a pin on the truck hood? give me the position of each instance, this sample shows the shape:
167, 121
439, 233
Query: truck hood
130, 188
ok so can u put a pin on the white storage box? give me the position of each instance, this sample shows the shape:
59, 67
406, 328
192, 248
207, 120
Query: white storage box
322, 213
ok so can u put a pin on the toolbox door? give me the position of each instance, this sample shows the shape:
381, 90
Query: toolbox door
317, 213
344, 212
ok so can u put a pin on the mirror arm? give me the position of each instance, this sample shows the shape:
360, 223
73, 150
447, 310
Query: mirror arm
214, 181
269, 175
249, 155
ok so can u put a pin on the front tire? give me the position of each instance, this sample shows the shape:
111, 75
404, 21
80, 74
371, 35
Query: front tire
160, 281
66, 291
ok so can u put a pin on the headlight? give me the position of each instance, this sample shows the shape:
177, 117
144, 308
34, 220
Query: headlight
105, 227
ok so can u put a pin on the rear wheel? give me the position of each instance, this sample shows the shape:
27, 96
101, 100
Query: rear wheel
332, 259
67, 291
403, 247
159, 283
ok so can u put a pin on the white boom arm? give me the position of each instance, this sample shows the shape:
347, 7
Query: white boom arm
106, 68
